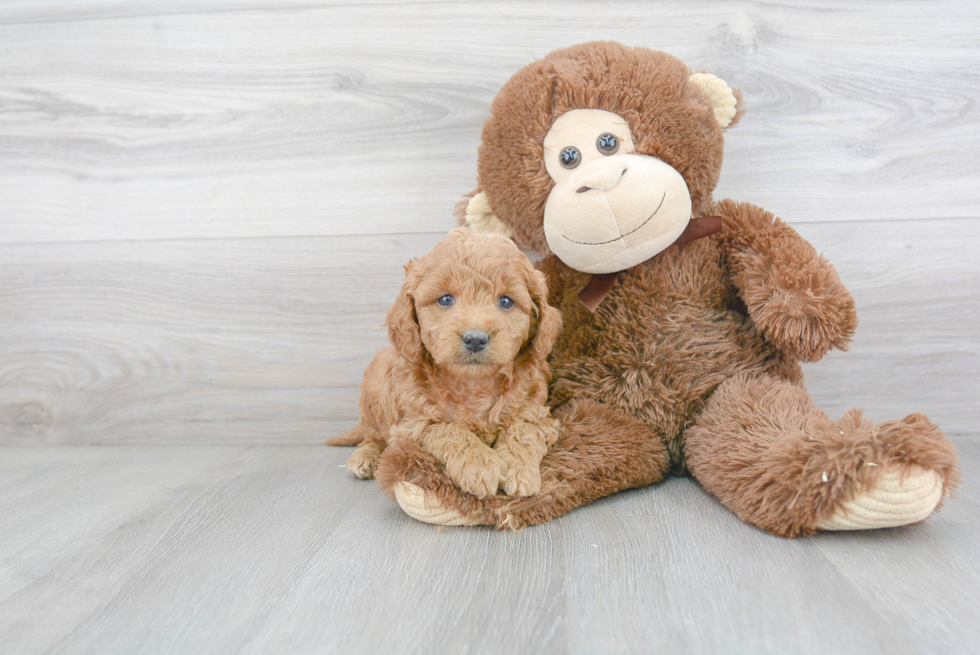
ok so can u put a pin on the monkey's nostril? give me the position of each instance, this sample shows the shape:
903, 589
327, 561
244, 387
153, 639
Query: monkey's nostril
582, 189
475, 340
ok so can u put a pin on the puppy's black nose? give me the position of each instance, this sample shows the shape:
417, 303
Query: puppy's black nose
475, 340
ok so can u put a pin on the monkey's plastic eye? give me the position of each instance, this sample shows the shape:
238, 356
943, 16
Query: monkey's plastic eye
446, 301
505, 303
607, 143
570, 157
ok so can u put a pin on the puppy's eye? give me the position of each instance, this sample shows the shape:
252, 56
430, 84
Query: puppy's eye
570, 157
446, 301
505, 303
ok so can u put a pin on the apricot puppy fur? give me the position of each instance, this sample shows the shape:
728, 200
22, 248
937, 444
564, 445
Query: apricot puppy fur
467, 373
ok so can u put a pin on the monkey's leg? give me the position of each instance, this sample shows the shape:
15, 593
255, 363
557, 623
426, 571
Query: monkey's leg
764, 449
364, 459
601, 451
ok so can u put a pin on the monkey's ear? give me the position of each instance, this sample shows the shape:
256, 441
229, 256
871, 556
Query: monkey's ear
723, 99
479, 216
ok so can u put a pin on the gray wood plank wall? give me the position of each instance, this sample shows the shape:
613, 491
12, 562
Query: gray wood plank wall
205, 206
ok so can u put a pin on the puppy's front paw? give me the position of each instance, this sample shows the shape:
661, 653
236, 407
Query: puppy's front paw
362, 461
476, 470
521, 478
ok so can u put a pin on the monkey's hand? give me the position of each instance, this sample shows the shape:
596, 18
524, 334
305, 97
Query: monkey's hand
793, 294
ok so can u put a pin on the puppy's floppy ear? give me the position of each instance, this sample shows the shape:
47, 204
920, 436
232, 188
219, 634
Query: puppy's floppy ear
546, 325
403, 324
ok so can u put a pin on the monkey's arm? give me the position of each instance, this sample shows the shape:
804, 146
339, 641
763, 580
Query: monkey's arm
793, 294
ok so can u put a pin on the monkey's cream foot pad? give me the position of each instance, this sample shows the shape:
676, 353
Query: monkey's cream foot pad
425, 507
894, 500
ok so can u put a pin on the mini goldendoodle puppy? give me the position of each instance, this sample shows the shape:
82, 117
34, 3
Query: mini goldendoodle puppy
467, 376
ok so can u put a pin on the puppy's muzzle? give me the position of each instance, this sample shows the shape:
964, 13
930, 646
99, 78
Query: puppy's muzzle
475, 340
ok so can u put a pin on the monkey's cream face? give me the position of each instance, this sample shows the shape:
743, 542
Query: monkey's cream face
610, 208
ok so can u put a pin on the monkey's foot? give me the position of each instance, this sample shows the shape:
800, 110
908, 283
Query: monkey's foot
895, 500
425, 506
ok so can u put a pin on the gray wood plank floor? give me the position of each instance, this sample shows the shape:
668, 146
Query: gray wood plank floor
274, 549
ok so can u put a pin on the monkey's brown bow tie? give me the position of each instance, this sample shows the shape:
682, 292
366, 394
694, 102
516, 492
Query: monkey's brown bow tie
600, 283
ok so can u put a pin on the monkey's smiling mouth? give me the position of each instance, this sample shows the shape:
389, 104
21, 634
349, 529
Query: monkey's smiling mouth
622, 236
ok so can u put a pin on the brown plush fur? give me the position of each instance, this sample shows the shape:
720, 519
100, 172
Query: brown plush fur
691, 363
764, 449
602, 452
481, 414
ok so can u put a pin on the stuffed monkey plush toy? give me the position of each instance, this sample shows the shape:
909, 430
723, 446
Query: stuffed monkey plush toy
603, 159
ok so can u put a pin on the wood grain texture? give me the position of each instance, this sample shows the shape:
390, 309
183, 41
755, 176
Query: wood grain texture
265, 340
148, 120
917, 346
167, 341
277, 549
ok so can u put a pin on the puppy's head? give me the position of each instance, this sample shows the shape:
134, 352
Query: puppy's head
473, 305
